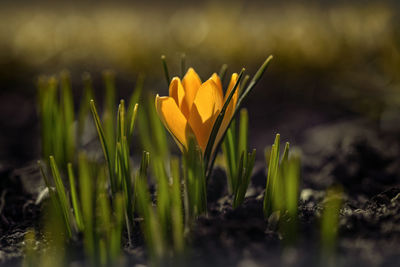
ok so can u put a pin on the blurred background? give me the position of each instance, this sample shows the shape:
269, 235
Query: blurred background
333, 60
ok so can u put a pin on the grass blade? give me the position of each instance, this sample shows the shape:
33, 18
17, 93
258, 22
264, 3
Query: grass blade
254, 81
62, 195
87, 192
165, 67
74, 198
330, 220
103, 142
133, 120
177, 210
183, 65
84, 108
243, 131
271, 176
67, 112
222, 73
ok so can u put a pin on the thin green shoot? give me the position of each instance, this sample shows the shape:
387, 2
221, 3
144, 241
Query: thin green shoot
330, 220
67, 112
239, 162
246, 165
195, 181
151, 130
62, 196
291, 181
87, 194
165, 67
177, 209
254, 81
150, 224
75, 199
244, 84
183, 64
272, 176
30, 253
222, 72
104, 144
84, 108
109, 108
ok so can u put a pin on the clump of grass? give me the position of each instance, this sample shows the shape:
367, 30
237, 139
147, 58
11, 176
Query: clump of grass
239, 162
282, 189
56, 115
90, 212
163, 226
99, 200
61, 137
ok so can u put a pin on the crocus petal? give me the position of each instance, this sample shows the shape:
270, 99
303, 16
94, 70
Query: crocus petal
172, 118
191, 84
217, 81
230, 109
206, 107
177, 92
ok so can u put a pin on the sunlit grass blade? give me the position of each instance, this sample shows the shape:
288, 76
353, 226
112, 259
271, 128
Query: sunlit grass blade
87, 186
165, 67
244, 84
121, 124
222, 72
195, 180
55, 234
240, 170
230, 159
330, 220
104, 217
163, 197
158, 129
245, 175
271, 176
133, 116
291, 179
84, 108
104, 144
137, 93
126, 180
116, 231
151, 130
254, 81
47, 182
285, 155
243, 131
109, 119
183, 64
177, 209
74, 198
51, 118
61, 195
30, 259
150, 225
67, 105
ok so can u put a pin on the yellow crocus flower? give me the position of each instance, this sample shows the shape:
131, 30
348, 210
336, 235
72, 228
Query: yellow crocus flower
192, 108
